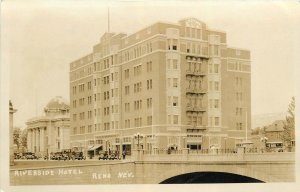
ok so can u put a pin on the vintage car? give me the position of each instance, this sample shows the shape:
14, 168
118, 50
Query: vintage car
17, 156
58, 156
105, 155
30, 155
78, 156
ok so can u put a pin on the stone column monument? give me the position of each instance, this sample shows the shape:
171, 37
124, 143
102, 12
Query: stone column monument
11, 136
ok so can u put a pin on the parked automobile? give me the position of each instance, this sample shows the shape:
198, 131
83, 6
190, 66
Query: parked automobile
105, 155
59, 156
17, 156
78, 156
30, 155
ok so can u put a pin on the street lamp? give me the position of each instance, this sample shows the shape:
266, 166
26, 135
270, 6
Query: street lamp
138, 136
225, 139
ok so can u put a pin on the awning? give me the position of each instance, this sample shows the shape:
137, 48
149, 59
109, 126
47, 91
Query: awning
94, 147
271, 142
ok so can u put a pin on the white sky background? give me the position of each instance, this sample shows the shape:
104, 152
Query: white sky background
40, 40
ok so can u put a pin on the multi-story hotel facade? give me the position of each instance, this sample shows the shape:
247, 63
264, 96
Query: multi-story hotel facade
177, 85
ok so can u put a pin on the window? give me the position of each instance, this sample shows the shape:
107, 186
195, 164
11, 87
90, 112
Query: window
216, 68
74, 117
174, 44
175, 101
200, 120
127, 107
175, 119
175, 82
89, 129
74, 90
127, 90
210, 67
89, 85
216, 86
149, 66
82, 129
169, 119
169, 101
137, 70
169, 82
175, 64
216, 103
126, 71
74, 103
216, 50
210, 85
138, 87
106, 80
149, 120
138, 122
149, 84
169, 63
74, 130
149, 103
210, 103
217, 121
137, 104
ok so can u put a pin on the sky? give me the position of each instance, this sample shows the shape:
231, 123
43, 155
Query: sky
40, 39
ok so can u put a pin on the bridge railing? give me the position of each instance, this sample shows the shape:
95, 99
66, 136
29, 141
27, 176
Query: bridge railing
201, 151
254, 154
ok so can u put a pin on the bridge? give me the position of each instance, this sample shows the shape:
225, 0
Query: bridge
180, 167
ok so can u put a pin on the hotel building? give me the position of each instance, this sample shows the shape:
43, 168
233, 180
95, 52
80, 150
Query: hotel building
178, 85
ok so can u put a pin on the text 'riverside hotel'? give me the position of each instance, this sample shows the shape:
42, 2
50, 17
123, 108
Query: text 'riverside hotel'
177, 85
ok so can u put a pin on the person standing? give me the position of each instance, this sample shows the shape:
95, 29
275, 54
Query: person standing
124, 154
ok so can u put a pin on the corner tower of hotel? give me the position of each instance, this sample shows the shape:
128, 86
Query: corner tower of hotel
177, 85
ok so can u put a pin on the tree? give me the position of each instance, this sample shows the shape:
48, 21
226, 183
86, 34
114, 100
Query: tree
16, 135
289, 125
255, 131
23, 140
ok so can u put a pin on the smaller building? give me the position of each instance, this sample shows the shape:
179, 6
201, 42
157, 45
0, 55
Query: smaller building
273, 132
51, 132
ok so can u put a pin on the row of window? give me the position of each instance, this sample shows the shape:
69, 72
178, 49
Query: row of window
239, 66
173, 101
214, 86
172, 64
214, 121
213, 68
195, 83
173, 119
137, 87
106, 111
113, 76
238, 82
239, 96
196, 102
115, 109
138, 105
195, 120
214, 103
193, 32
238, 111
172, 82
138, 122
195, 66
136, 52
137, 70
197, 48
